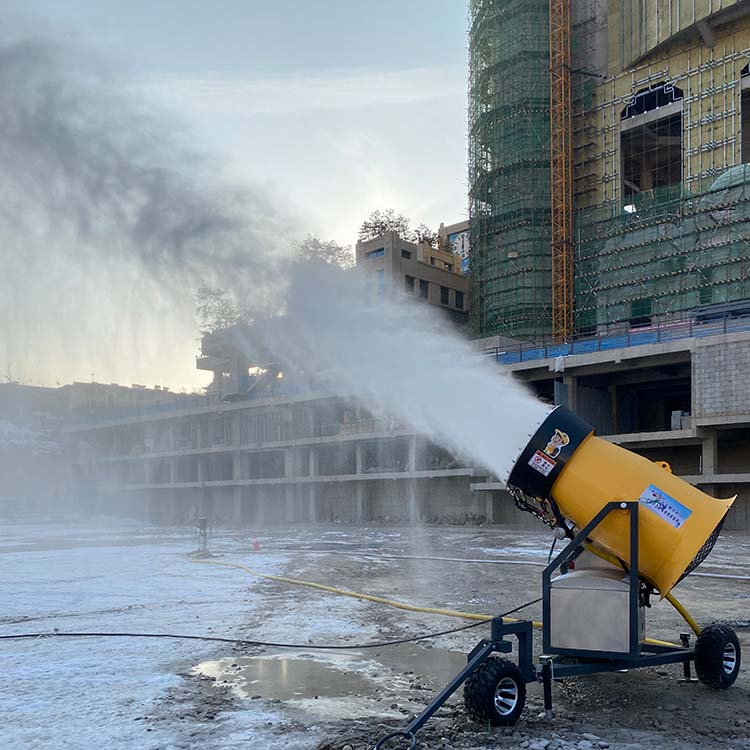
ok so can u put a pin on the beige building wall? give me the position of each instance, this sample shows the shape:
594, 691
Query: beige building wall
394, 266
636, 29
706, 68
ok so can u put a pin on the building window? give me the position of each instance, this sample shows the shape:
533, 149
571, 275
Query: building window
651, 141
460, 300
376, 282
432, 261
424, 289
444, 295
409, 287
448, 266
219, 432
640, 312
406, 254
379, 253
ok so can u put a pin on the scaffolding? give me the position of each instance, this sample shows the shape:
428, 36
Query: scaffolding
660, 195
561, 164
509, 167
661, 191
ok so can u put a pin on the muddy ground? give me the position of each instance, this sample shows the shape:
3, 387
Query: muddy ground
223, 696
640, 709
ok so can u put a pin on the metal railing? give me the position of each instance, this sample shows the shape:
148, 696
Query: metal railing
654, 334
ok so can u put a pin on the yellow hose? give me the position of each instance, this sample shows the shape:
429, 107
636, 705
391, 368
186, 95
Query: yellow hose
431, 610
356, 595
672, 599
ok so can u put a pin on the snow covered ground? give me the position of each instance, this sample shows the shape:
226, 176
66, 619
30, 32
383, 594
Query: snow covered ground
152, 694
83, 693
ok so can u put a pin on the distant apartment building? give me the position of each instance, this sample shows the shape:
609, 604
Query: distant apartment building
394, 266
457, 238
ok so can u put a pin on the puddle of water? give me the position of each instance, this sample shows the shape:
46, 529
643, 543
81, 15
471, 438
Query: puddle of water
299, 676
287, 677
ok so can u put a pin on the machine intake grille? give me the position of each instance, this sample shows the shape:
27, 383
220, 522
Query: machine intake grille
705, 550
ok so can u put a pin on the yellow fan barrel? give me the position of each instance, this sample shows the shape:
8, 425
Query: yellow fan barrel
565, 461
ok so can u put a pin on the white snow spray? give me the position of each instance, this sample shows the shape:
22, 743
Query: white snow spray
119, 222
404, 357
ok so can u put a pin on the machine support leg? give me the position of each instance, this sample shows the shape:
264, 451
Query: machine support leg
547, 685
479, 655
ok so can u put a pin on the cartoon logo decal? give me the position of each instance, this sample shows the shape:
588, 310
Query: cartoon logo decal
556, 443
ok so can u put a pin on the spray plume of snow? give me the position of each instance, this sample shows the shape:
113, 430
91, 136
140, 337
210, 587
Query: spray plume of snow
112, 218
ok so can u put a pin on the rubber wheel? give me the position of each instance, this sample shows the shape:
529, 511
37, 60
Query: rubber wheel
495, 693
717, 656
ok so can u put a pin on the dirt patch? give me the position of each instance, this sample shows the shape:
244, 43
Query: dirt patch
382, 690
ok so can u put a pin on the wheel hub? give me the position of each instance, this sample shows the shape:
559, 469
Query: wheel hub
506, 696
729, 658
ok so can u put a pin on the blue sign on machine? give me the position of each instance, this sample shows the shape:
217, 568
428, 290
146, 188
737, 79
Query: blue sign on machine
665, 506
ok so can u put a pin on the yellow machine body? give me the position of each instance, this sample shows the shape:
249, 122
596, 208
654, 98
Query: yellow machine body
675, 518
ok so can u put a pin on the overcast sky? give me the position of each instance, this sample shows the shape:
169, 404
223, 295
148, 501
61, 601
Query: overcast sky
338, 107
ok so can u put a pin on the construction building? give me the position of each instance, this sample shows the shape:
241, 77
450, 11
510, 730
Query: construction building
291, 450
394, 266
278, 450
649, 193
610, 266
609, 205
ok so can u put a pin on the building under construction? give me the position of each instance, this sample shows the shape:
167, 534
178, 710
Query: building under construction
631, 210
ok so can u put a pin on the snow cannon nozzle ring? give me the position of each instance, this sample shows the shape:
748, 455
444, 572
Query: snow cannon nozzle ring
550, 448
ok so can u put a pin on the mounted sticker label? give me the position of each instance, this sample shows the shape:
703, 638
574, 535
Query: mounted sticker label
558, 440
665, 506
542, 463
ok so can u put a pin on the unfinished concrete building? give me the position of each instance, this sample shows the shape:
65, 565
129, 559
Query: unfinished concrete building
659, 197
659, 106
278, 450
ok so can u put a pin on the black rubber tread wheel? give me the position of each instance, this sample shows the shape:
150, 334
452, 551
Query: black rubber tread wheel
495, 693
717, 656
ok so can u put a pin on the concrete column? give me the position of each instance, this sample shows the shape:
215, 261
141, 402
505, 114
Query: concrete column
709, 458
411, 484
615, 411
238, 470
413, 453
571, 383
361, 511
289, 488
489, 509
237, 496
361, 514
172, 470
312, 489
411, 499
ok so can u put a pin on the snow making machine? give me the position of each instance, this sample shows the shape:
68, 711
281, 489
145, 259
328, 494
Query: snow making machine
633, 531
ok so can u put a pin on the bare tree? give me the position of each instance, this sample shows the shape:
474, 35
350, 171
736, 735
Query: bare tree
424, 234
313, 248
380, 222
215, 309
